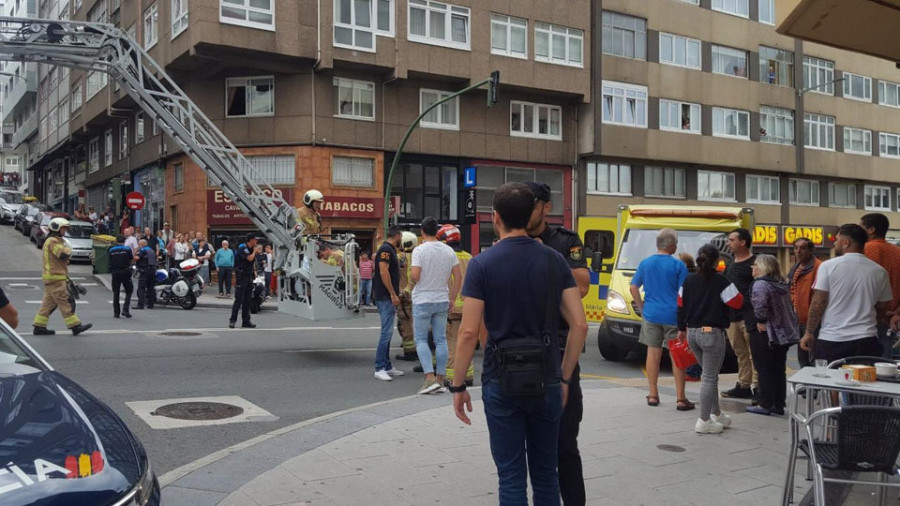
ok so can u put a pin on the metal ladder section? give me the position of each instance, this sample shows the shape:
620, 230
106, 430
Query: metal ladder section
98, 47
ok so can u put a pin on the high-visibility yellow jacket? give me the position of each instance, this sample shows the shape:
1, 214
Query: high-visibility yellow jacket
463, 257
56, 259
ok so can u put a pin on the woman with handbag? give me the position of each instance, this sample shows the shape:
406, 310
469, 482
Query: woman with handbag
776, 331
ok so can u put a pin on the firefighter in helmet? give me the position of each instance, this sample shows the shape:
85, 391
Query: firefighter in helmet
404, 311
449, 235
309, 215
55, 273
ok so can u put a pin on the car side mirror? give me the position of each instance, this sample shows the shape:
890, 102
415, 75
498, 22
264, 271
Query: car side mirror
597, 261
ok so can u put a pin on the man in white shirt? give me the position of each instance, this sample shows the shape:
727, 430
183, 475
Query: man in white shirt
433, 264
130, 240
850, 293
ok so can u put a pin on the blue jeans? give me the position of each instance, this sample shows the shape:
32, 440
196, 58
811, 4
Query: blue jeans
432, 315
520, 427
383, 353
365, 291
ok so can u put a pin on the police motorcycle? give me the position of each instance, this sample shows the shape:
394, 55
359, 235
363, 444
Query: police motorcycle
258, 295
181, 285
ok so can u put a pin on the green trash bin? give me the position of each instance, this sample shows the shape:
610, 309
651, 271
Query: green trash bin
100, 258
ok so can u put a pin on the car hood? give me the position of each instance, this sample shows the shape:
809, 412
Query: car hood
12, 207
62, 446
81, 243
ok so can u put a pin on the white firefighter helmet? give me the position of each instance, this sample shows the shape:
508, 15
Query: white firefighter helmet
408, 241
57, 223
312, 196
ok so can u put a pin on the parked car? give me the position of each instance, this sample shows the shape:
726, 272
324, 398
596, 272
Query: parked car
8, 209
40, 224
26, 215
60, 445
78, 237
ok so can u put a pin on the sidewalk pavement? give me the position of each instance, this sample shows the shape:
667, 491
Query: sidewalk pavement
413, 451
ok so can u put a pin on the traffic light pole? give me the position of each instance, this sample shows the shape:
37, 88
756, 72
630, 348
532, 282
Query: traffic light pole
493, 81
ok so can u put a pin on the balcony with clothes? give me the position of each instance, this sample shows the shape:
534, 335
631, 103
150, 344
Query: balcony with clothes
25, 130
21, 87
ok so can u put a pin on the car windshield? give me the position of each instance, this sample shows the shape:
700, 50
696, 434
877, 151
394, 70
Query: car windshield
46, 220
13, 355
33, 210
639, 244
80, 232
12, 198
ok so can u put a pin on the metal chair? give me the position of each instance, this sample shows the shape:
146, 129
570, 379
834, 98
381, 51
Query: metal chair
867, 440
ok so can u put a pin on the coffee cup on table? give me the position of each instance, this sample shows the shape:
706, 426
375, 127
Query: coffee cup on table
886, 369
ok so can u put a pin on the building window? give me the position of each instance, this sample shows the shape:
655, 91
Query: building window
763, 190
95, 82
354, 99
857, 141
107, 148
439, 23
249, 96
624, 104
558, 44
818, 74
274, 169
767, 12
179, 17
179, 177
94, 153
63, 111
12, 161
729, 61
715, 186
664, 182
444, 116
608, 178
842, 195
678, 50
77, 97
679, 116
432, 190
509, 36
731, 123
734, 7
776, 125
350, 171
541, 121
252, 13
776, 66
123, 139
818, 131
857, 87
624, 35
877, 198
353, 24
151, 26
803, 192
155, 128
889, 145
139, 128
889, 93
384, 17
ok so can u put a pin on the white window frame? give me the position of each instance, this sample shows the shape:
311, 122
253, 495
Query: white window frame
354, 27
569, 35
865, 138
449, 11
507, 25
123, 139
246, 6
139, 127
821, 71
724, 176
767, 6
246, 81
391, 17
439, 124
77, 98
180, 17
819, 121
100, 82
622, 27
882, 92
622, 178
815, 190
673, 173
354, 163
357, 88
866, 82
619, 93
94, 155
887, 140
535, 109
760, 197
732, 7
63, 110
724, 113
108, 147
694, 121
851, 191
151, 25
719, 51
869, 193
779, 116
779, 64
686, 43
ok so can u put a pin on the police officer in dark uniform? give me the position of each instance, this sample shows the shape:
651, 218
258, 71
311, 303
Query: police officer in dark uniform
120, 259
243, 285
146, 263
569, 245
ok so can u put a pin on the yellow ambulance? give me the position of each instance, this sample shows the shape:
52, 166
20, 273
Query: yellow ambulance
616, 246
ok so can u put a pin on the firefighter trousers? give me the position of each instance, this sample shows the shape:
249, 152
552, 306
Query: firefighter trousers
453, 322
56, 295
405, 325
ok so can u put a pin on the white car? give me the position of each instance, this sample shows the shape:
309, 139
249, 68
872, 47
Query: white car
8, 210
78, 237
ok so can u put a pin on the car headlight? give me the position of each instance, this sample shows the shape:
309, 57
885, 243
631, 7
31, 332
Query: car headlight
141, 493
616, 303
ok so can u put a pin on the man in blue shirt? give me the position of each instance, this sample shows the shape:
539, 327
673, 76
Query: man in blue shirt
661, 275
224, 260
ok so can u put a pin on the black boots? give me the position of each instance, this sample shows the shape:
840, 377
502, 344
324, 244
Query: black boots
81, 327
43, 331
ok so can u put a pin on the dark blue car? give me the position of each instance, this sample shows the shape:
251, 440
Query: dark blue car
60, 445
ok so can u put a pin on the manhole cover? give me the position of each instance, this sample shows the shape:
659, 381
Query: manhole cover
198, 411
179, 334
670, 448
732, 406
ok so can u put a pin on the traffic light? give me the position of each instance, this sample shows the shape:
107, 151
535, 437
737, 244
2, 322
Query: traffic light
494, 88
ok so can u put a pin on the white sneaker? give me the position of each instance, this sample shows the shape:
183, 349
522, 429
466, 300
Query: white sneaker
393, 371
382, 375
724, 419
708, 427
429, 387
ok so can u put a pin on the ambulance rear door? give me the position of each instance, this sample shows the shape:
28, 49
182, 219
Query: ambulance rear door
599, 236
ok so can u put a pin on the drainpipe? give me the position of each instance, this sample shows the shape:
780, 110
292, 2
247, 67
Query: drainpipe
312, 73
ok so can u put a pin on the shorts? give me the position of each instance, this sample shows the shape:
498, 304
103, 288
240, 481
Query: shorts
655, 335
836, 350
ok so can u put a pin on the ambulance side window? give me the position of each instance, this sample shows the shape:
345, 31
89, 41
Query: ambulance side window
600, 240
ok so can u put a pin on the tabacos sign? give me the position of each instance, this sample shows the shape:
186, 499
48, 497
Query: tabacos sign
352, 207
221, 210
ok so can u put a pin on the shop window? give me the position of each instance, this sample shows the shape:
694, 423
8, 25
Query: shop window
426, 190
351, 171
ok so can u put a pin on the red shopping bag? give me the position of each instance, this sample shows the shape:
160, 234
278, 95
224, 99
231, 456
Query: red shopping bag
681, 354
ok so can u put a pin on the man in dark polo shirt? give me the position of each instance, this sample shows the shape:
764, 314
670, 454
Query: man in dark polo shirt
386, 289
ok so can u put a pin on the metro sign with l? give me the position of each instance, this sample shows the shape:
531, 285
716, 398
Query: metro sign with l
470, 177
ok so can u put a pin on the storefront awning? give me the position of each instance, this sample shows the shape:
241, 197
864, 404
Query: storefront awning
864, 26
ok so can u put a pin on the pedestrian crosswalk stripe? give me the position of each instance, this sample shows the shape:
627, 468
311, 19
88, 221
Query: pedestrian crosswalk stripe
77, 302
88, 284
18, 284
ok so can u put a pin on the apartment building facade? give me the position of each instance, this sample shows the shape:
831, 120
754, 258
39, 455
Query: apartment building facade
320, 94
18, 96
703, 103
